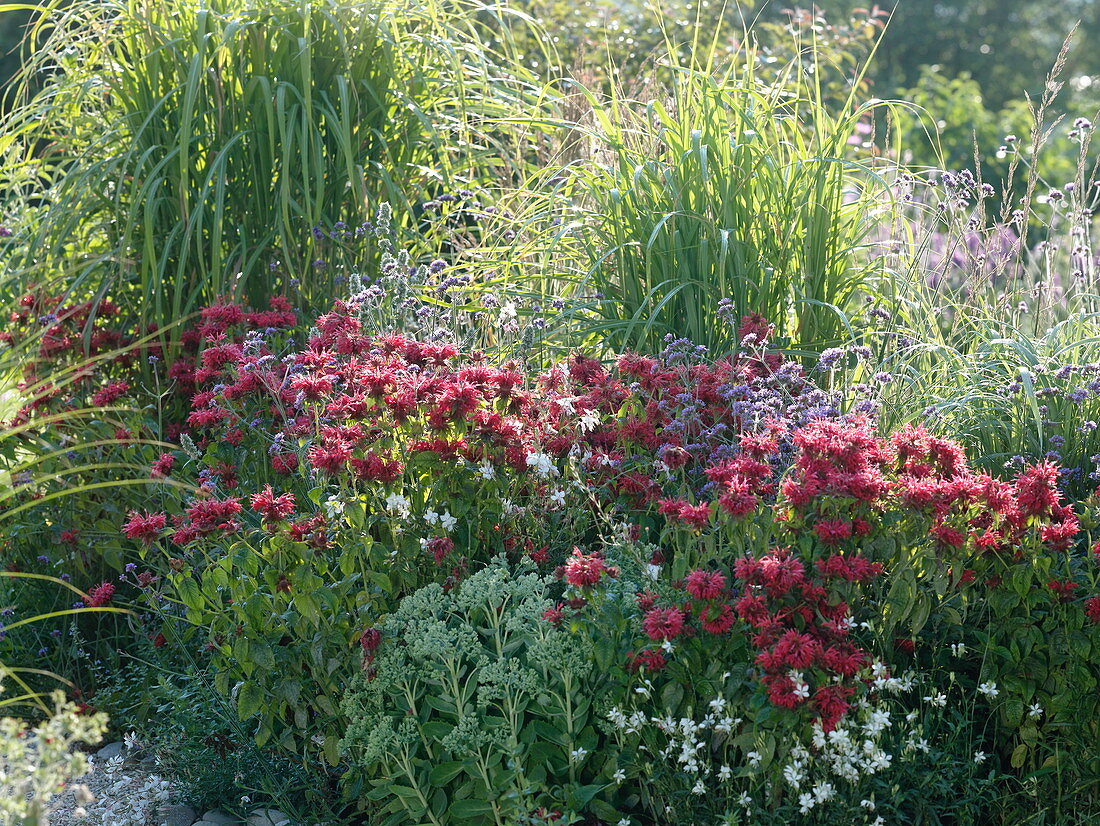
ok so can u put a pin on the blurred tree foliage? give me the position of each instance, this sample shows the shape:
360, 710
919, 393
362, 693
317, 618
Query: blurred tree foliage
12, 27
1006, 46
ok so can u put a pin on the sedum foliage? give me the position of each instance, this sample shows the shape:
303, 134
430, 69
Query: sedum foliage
476, 710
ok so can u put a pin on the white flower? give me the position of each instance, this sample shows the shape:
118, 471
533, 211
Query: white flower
431, 517
558, 497
398, 504
542, 464
578, 754
979, 756
744, 799
487, 471
939, 699
624, 822
989, 689
654, 571
698, 788
792, 773
590, 420
667, 646
879, 821
725, 773
447, 522
334, 506
508, 312
869, 805
619, 776
823, 791
754, 758
958, 649
806, 802
1035, 711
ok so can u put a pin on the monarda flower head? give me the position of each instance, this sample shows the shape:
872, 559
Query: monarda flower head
705, 585
584, 570
101, 595
1037, 489
273, 508
144, 527
663, 623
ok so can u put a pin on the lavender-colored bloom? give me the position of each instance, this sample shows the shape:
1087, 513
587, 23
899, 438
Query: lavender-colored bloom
829, 359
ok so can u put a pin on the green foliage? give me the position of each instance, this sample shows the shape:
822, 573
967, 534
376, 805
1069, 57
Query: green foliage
728, 188
476, 709
188, 150
213, 758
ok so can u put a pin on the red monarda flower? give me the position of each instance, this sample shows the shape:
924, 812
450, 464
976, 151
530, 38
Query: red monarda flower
705, 585
370, 640
833, 531
144, 527
663, 623
439, 547
111, 393
101, 595
162, 466
717, 619
1063, 589
1037, 489
273, 508
649, 659
1092, 609
679, 510
583, 570
555, 615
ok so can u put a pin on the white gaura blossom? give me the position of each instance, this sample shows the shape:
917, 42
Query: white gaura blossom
589, 421
487, 471
989, 689
334, 506
542, 464
398, 504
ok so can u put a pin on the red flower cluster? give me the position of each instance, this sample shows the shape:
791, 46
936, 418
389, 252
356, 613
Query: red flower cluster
585, 570
801, 629
144, 527
101, 595
706, 605
1092, 609
454, 407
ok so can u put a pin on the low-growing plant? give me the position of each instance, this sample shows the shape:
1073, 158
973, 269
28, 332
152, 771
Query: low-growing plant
39, 760
472, 708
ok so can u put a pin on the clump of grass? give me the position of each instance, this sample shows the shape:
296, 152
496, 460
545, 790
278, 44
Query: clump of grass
717, 187
183, 150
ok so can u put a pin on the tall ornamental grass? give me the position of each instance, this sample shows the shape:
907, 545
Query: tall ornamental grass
989, 324
715, 186
182, 150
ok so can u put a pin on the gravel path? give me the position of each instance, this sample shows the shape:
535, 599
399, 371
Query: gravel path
127, 792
